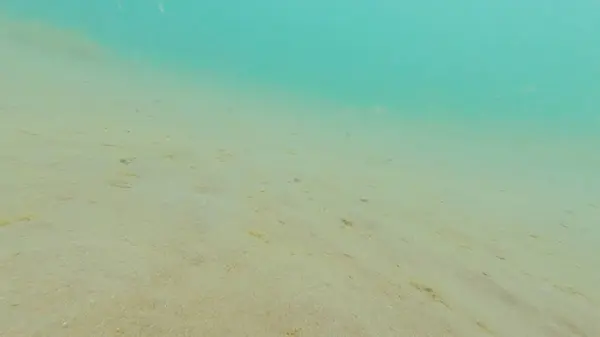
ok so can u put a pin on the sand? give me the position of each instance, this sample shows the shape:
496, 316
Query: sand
135, 205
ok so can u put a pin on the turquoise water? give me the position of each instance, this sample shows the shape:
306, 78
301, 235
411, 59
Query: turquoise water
336, 168
511, 60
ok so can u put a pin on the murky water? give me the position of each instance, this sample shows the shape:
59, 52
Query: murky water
303, 168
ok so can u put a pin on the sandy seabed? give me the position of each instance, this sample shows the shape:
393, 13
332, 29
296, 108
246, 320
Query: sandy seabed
131, 205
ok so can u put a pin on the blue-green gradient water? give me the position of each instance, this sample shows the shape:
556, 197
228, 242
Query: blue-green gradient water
435, 170
512, 60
